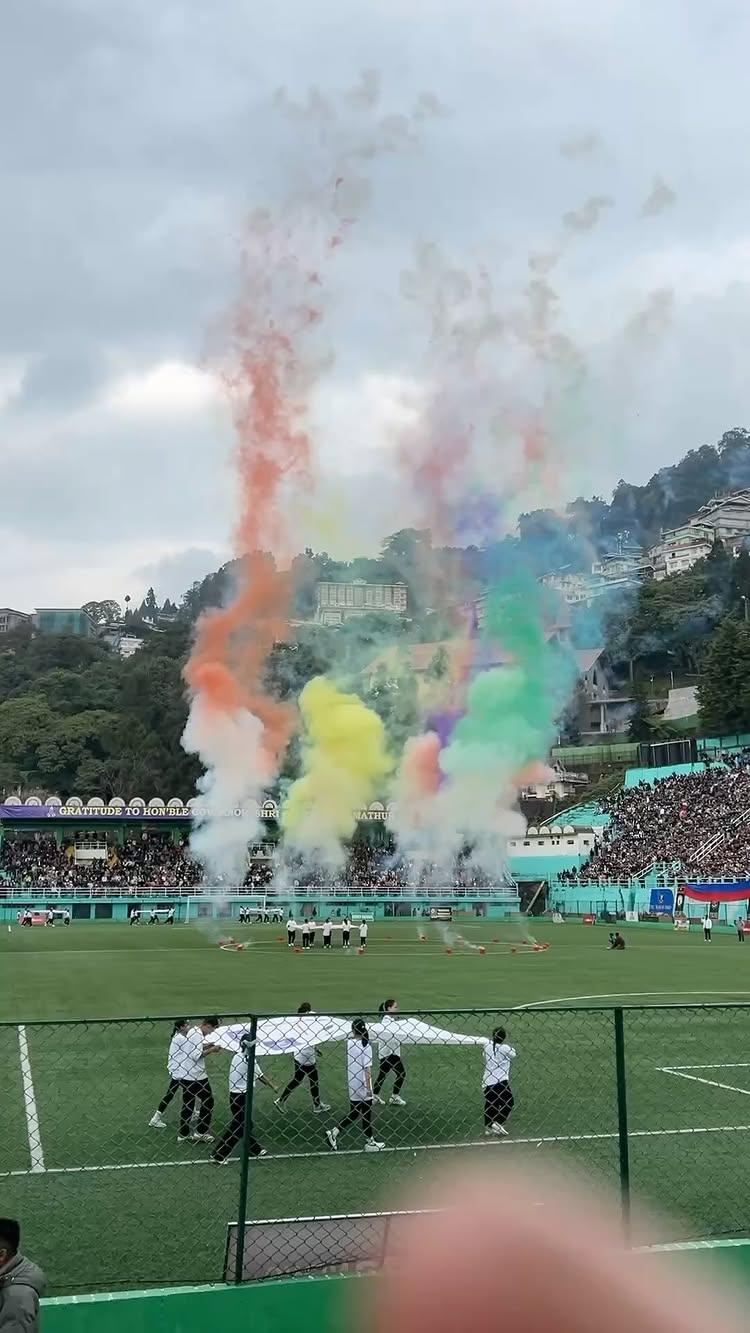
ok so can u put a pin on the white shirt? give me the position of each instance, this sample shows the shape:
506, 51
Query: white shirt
358, 1067
291, 924
185, 1059
305, 1055
389, 1042
238, 1073
497, 1063
363, 931
327, 927
707, 923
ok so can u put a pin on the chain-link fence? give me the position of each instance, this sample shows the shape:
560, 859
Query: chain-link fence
152, 1152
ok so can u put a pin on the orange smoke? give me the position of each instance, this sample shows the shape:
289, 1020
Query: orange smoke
418, 777
228, 659
267, 388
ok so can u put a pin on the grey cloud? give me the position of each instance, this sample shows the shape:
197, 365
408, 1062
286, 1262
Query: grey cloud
661, 196
137, 137
174, 573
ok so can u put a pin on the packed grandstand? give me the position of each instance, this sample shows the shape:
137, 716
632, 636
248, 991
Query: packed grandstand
692, 824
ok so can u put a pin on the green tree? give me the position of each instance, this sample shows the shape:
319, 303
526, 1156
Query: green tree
638, 727
724, 683
739, 590
437, 667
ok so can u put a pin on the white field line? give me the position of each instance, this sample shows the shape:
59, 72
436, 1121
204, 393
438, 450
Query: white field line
36, 1152
624, 995
724, 1064
711, 1082
536, 1140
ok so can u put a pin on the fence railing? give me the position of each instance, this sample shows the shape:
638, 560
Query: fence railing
304, 1127
295, 893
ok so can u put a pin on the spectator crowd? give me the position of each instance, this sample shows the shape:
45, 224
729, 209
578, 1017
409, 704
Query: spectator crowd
671, 823
155, 862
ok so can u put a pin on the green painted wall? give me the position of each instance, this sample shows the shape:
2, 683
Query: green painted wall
311, 1304
315, 1305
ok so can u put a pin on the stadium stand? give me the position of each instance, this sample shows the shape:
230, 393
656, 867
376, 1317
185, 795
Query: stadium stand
697, 822
159, 864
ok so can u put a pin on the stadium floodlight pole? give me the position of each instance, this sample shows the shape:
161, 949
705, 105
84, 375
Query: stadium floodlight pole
622, 1121
249, 1047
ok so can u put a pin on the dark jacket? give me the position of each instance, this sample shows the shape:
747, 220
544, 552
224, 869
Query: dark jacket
21, 1285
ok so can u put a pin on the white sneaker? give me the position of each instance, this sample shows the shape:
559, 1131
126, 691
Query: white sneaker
499, 1129
373, 1145
321, 1107
184, 1138
377, 1099
280, 1106
157, 1121
397, 1101
333, 1138
201, 1138
488, 1132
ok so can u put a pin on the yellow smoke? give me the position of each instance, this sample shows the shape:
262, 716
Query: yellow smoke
345, 762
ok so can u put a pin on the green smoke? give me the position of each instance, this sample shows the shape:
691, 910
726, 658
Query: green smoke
512, 710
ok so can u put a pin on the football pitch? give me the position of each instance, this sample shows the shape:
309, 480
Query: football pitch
106, 1201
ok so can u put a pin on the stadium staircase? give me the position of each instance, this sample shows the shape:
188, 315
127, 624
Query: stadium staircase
722, 835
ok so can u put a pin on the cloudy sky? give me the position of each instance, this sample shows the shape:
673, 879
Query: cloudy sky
137, 136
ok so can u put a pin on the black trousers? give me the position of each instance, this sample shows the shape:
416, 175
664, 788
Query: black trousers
706, 934
235, 1129
498, 1103
196, 1090
358, 1111
741, 934
326, 941
169, 1095
392, 1064
345, 939
291, 937
301, 1072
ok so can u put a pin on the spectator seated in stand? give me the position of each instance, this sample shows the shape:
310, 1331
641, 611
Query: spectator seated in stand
670, 822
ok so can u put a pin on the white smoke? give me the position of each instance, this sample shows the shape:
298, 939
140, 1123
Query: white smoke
230, 744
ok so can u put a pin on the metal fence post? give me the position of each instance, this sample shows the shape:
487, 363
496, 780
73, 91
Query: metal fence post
622, 1121
245, 1158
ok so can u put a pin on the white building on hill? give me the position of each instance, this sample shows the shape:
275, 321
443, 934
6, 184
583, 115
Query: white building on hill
680, 548
728, 516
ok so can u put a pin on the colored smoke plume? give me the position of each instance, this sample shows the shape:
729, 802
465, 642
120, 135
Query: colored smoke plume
345, 765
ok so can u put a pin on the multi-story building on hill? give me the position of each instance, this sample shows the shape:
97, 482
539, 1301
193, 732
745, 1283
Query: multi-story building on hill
337, 602
727, 515
678, 549
10, 619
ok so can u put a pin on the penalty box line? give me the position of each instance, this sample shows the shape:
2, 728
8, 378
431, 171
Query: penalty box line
681, 1071
33, 1132
534, 1140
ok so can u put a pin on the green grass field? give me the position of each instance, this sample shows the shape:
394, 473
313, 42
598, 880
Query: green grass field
108, 1202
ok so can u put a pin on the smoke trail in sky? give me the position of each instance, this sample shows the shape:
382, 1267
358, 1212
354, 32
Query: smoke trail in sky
238, 729
505, 389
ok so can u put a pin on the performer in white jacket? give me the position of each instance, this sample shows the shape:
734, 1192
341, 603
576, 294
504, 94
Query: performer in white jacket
389, 1051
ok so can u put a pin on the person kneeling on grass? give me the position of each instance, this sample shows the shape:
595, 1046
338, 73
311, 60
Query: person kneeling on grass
498, 1096
237, 1102
359, 1078
616, 940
